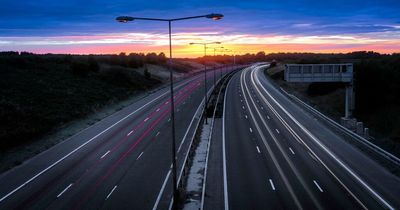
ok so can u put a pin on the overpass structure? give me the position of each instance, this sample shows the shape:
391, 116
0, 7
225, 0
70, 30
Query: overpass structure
342, 72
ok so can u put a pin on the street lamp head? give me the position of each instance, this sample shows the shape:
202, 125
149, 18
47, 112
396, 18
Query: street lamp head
215, 16
124, 19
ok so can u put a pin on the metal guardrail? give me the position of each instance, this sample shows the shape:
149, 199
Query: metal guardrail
185, 168
387, 155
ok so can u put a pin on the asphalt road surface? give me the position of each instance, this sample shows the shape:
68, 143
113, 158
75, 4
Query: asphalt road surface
267, 152
277, 156
122, 162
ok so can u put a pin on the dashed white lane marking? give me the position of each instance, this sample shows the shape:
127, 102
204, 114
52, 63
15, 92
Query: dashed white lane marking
158, 110
146, 119
105, 154
262, 107
251, 130
258, 149
241, 100
62, 192
169, 119
158, 133
139, 156
129, 133
291, 151
242, 107
272, 184
268, 117
167, 102
319, 188
277, 130
109, 194
245, 116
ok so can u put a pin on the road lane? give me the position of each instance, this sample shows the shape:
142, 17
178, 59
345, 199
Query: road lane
335, 187
248, 173
303, 166
109, 157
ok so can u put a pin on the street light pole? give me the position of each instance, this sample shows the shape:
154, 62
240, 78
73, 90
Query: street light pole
125, 19
215, 67
173, 148
205, 72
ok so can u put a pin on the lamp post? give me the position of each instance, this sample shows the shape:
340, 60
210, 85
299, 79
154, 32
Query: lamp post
205, 69
125, 19
234, 58
215, 68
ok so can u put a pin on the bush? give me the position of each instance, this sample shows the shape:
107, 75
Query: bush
323, 88
80, 68
146, 73
117, 76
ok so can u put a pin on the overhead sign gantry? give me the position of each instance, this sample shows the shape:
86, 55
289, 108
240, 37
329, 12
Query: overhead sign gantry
342, 72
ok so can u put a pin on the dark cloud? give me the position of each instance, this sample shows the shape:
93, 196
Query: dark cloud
77, 17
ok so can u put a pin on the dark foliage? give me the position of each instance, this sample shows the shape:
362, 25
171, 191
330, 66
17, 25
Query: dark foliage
323, 88
38, 93
377, 89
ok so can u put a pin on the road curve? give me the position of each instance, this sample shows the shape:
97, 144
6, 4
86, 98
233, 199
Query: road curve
278, 156
120, 162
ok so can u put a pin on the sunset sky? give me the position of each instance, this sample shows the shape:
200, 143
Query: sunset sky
89, 27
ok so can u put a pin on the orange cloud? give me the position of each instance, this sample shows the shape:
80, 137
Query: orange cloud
239, 43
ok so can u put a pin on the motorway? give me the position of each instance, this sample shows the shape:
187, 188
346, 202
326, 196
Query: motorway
121, 162
275, 155
267, 152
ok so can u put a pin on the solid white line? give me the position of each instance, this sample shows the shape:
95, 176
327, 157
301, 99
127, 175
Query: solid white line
319, 188
271, 154
258, 149
76, 149
155, 206
158, 133
313, 157
277, 130
105, 154
129, 133
162, 189
226, 198
272, 184
203, 193
109, 194
146, 119
139, 156
325, 149
90, 140
62, 192
291, 151
359, 138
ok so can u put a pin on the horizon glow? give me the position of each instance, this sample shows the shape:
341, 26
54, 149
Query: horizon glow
307, 26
